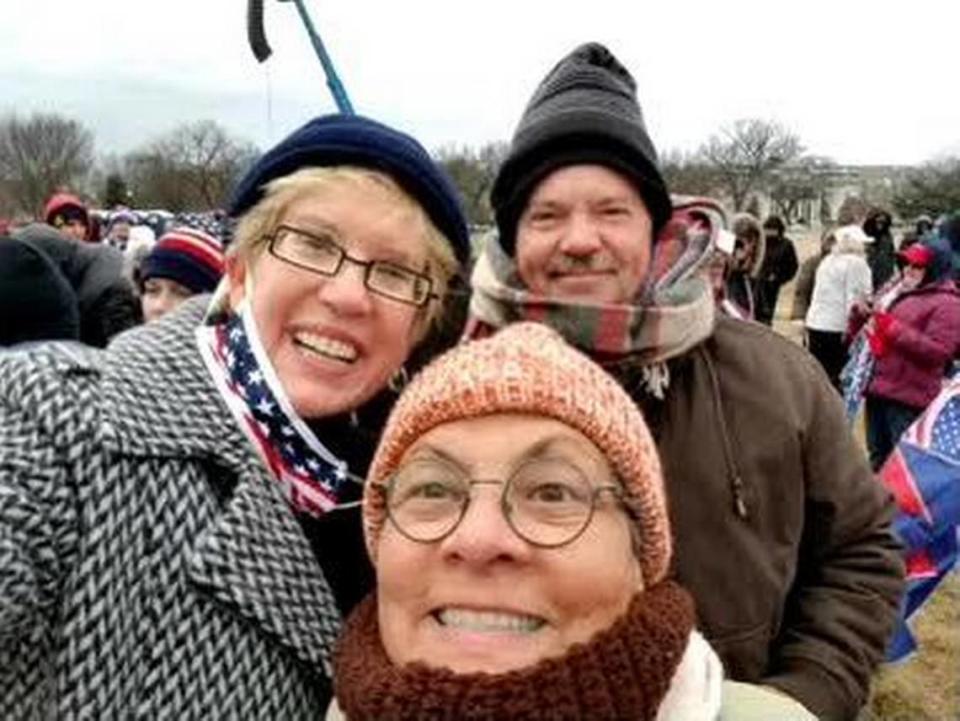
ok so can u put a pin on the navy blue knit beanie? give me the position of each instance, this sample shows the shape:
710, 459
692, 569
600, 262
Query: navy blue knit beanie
354, 140
192, 258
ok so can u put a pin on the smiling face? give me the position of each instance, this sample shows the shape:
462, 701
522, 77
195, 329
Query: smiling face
332, 343
585, 235
482, 599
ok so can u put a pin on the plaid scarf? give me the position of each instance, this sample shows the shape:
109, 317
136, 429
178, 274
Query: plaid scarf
310, 474
675, 310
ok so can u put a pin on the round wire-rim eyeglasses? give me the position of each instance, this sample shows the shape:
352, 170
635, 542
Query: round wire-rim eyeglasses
591, 492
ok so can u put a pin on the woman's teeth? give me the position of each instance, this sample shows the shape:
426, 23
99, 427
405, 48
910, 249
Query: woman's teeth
328, 347
488, 621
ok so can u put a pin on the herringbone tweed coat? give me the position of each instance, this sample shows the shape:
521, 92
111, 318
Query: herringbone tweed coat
149, 565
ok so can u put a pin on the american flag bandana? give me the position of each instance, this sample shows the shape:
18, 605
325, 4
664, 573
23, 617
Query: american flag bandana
310, 474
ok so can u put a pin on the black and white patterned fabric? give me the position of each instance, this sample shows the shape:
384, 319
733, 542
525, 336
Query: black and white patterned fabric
149, 565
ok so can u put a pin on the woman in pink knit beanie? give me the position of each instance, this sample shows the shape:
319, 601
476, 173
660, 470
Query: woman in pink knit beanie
516, 517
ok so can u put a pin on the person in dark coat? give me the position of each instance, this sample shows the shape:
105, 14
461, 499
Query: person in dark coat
782, 533
745, 264
913, 341
779, 267
881, 253
37, 302
108, 301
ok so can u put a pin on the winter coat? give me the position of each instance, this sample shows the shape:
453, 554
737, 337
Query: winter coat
739, 289
779, 267
803, 290
921, 338
108, 303
881, 253
781, 533
150, 567
842, 279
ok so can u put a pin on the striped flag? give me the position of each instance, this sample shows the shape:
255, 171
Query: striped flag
923, 474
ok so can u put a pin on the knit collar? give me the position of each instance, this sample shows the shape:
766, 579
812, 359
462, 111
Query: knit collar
623, 672
311, 475
674, 313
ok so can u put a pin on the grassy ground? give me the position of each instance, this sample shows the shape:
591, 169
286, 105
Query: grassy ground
926, 687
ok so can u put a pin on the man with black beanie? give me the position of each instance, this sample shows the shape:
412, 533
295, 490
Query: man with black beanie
781, 532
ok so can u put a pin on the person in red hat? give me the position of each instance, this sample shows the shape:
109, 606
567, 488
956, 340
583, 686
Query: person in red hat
913, 340
67, 213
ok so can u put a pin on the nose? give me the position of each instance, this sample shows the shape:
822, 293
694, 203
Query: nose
484, 536
168, 300
581, 237
346, 292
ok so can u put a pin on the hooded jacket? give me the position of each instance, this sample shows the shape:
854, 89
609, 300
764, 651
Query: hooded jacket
781, 533
36, 301
842, 279
742, 285
779, 267
921, 336
881, 253
108, 303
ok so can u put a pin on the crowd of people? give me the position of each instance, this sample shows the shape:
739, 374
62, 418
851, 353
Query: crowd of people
902, 301
340, 462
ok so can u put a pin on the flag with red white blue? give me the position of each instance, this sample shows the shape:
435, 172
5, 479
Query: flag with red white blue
923, 474
312, 476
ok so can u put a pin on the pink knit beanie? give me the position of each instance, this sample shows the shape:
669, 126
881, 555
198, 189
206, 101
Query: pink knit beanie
528, 368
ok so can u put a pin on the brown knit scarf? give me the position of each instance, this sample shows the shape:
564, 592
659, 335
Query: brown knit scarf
623, 672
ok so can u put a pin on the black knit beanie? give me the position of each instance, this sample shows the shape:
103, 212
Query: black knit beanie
36, 300
584, 112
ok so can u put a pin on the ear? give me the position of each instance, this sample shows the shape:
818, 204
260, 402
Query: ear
236, 269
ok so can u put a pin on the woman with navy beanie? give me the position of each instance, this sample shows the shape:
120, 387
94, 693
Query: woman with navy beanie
184, 262
182, 536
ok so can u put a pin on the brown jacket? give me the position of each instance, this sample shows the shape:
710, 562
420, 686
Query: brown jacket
782, 534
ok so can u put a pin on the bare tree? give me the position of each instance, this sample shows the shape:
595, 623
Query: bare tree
804, 179
744, 154
41, 154
194, 167
473, 172
931, 189
687, 173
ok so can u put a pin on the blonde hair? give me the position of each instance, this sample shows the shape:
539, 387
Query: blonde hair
251, 235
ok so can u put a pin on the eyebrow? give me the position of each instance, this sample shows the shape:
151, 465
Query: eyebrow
386, 252
315, 228
541, 449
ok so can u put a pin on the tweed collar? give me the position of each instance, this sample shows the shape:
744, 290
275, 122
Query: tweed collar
160, 401
159, 398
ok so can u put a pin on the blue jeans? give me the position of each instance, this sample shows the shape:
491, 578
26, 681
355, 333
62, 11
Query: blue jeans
886, 422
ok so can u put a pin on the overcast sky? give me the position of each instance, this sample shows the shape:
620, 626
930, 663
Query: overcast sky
856, 81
